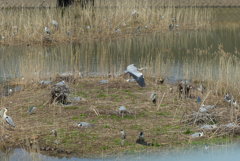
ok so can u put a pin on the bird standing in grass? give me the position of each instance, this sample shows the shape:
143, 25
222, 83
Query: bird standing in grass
153, 98
47, 30
7, 118
55, 24
141, 139
54, 132
201, 88
122, 110
32, 110
123, 136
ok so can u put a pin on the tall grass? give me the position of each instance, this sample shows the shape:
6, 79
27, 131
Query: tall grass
106, 19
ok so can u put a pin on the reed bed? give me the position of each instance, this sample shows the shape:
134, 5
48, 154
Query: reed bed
108, 20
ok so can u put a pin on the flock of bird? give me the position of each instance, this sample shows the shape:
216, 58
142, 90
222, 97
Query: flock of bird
173, 25
138, 77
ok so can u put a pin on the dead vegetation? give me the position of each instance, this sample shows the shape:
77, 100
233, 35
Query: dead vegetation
169, 122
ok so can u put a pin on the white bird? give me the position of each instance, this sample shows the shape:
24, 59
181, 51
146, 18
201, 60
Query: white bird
84, 124
205, 108
47, 30
62, 83
7, 118
134, 13
197, 134
122, 110
54, 23
138, 76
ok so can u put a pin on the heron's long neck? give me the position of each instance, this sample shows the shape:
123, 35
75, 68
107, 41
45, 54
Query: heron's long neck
4, 113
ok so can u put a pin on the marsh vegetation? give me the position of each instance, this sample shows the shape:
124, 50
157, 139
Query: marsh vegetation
96, 44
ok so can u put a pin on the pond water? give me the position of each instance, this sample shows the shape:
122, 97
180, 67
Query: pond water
212, 153
203, 54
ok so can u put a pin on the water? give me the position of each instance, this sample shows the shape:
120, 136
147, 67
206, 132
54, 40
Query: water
179, 54
213, 153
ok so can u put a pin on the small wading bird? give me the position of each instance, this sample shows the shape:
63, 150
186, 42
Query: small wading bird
138, 76
7, 118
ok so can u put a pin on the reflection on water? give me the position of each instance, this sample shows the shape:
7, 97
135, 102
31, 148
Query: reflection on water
182, 54
213, 153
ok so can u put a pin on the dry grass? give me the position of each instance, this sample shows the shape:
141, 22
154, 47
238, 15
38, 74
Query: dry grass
162, 124
79, 25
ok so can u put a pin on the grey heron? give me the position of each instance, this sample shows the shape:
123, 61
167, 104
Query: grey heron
205, 108
47, 30
138, 76
141, 139
103, 81
84, 124
171, 27
7, 118
201, 88
122, 110
55, 23
123, 137
230, 99
45, 82
62, 83
153, 98
123, 134
134, 13
32, 110
54, 132
197, 134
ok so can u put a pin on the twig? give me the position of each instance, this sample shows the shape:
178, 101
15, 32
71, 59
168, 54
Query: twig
95, 110
161, 101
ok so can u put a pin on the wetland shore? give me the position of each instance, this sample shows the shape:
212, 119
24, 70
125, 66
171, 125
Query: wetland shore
162, 123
